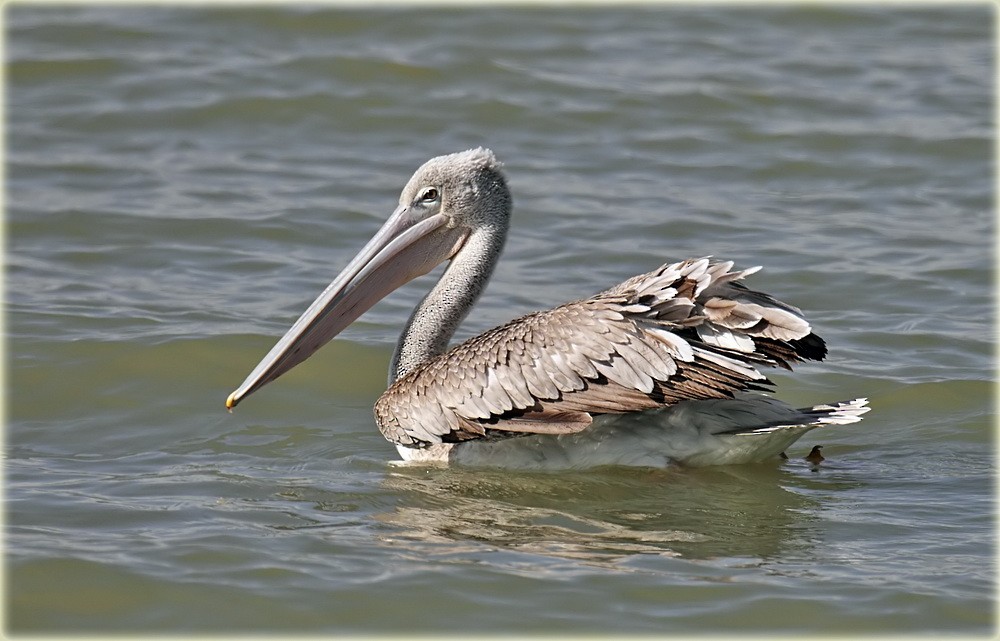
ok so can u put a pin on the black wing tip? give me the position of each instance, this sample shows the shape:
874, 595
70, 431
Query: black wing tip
811, 347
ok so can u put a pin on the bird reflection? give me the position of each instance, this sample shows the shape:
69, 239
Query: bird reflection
603, 517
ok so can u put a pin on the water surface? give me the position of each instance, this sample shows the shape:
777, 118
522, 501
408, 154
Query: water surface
182, 181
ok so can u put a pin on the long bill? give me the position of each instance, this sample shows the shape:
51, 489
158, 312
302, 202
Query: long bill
404, 248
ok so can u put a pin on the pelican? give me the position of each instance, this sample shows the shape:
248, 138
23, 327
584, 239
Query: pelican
660, 369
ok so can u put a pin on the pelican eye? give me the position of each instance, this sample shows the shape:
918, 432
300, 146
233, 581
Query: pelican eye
430, 194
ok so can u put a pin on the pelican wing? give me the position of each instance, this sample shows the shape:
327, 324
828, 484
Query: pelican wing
687, 330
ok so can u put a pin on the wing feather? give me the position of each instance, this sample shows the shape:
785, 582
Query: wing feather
687, 330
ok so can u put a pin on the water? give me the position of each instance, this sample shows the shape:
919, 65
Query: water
181, 182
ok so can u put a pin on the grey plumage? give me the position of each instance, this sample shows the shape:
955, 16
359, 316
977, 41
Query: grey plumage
638, 346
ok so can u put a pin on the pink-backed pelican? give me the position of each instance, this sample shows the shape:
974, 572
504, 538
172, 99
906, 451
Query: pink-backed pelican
659, 369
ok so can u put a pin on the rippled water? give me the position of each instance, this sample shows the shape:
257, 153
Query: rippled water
182, 181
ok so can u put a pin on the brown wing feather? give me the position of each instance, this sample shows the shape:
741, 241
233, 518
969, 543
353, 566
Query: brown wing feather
684, 331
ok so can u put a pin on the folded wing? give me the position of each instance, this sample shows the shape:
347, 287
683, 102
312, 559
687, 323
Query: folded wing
688, 330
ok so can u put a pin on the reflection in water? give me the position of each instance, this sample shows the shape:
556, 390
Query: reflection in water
607, 516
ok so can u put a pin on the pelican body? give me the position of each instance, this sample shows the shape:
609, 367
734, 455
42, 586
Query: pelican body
659, 369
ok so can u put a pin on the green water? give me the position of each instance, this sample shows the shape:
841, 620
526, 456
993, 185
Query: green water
181, 182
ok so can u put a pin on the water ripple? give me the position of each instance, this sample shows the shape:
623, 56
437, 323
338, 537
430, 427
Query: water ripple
181, 181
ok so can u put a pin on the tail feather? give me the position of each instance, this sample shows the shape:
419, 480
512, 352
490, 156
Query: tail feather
842, 413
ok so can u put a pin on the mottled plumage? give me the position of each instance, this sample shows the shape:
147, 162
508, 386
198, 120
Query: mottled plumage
682, 332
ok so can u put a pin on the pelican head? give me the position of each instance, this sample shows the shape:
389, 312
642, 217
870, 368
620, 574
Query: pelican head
448, 200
